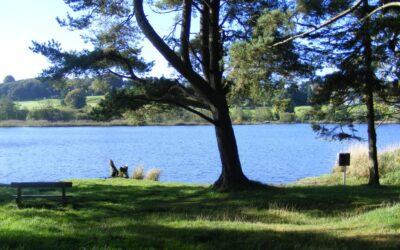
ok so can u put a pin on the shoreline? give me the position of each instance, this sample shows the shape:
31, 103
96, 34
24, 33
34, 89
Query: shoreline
124, 123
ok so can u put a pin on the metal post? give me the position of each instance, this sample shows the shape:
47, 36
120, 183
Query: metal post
344, 176
18, 200
64, 198
344, 161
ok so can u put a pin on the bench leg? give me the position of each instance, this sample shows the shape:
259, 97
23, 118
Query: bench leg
64, 197
18, 199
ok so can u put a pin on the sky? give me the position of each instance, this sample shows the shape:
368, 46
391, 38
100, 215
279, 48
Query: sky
24, 21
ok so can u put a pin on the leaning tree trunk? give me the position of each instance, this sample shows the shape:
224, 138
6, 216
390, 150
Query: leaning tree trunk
232, 176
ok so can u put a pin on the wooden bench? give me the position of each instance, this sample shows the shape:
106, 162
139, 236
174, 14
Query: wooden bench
52, 185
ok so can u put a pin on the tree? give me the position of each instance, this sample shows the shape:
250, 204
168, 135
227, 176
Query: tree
198, 56
364, 50
102, 85
99, 86
8, 78
75, 99
8, 110
30, 89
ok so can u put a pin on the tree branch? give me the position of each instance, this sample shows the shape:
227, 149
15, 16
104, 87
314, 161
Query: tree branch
177, 86
198, 83
175, 103
388, 5
324, 24
119, 75
204, 36
205, 117
128, 65
215, 45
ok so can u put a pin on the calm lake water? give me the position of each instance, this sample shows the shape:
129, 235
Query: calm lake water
269, 153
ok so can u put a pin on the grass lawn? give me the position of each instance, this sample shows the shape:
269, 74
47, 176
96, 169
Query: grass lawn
56, 103
29, 105
123, 213
92, 101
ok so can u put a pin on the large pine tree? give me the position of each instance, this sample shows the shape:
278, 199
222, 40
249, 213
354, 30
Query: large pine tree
364, 52
199, 56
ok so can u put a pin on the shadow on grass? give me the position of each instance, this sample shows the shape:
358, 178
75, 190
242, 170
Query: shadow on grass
321, 200
324, 201
160, 216
154, 236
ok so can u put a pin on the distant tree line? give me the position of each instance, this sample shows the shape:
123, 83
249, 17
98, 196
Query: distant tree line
288, 103
29, 89
35, 89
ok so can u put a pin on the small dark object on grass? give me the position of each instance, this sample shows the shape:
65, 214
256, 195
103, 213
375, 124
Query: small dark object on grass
113, 169
121, 172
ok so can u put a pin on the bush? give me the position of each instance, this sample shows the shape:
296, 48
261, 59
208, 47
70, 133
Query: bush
50, 114
359, 161
239, 115
303, 113
10, 111
138, 173
263, 114
389, 161
153, 174
286, 117
75, 99
80, 114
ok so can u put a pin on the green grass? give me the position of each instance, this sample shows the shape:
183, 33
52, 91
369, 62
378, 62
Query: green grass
93, 100
301, 110
125, 213
29, 105
56, 103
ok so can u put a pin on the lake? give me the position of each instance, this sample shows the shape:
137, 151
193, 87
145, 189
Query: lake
269, 153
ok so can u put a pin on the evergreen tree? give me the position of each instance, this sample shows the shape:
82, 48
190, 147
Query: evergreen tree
198, 56
364, 52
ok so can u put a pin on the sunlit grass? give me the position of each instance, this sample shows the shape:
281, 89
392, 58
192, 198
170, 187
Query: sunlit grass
55, 103
29, 105
92, 101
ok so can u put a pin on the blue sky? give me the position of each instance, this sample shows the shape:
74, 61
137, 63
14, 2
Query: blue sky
22, 21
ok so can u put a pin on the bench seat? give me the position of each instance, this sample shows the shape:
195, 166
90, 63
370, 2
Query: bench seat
40, 185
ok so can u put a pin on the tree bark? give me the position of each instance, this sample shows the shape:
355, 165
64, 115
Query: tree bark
369, 87
232, 176
372, 140
185, 30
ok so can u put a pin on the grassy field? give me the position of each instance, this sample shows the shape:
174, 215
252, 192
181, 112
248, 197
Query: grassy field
124, 213
56, 103
93, 100
29, 105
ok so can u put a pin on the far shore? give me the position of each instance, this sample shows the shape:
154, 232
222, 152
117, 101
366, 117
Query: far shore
125, 123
